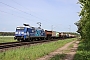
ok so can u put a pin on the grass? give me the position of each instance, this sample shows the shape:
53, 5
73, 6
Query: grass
61, 56
58, 57
6, 39
68, 49
83, 52
33, 52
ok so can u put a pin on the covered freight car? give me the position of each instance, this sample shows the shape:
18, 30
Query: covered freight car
48, 34
52, 34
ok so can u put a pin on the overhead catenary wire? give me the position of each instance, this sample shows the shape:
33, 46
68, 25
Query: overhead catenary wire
20, 5
44, 20
14, 15
20, 10
25, 8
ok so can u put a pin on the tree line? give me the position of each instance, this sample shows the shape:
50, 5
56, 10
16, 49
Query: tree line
84, 23
7, 33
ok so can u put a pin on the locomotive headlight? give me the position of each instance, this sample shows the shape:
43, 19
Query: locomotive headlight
22, 32
16, 32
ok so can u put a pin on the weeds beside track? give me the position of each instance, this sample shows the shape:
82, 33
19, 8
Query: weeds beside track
33, 52
15, 44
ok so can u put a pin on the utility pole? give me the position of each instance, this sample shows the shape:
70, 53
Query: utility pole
69, 28
51, 27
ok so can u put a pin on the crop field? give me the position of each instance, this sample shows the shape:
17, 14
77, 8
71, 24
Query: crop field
4, 39
33, 52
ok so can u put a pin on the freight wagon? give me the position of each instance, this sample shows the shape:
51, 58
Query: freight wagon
53, 34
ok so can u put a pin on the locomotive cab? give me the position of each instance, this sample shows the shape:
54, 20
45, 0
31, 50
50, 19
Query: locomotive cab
21, 33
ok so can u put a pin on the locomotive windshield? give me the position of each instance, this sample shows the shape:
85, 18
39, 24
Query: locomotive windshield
19, 28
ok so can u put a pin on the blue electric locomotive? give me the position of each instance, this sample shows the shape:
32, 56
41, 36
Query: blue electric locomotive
29, 33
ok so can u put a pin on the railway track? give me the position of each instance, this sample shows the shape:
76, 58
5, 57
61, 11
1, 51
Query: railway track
15, 44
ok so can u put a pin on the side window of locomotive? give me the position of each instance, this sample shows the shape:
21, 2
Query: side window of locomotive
32, 30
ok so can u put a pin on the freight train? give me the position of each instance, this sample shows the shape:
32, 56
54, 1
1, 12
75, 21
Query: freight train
28, 33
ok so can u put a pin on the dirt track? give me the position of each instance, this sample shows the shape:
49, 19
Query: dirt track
69, 56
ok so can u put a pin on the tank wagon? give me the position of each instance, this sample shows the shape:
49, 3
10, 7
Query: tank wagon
28, 33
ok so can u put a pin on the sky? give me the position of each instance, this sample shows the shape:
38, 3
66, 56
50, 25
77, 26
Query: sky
56, 15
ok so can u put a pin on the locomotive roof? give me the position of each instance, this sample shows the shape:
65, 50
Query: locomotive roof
29, 27
22, 26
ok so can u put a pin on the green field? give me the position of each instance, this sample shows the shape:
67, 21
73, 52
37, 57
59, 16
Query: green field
4, 39
33, 52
